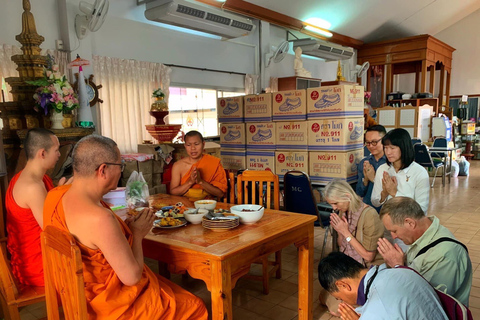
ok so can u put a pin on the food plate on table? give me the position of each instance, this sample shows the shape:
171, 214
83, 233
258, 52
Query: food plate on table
169, 223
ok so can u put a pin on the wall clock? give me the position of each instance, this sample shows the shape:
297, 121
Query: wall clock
92, 90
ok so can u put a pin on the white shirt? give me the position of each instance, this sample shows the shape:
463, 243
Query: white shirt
412, 183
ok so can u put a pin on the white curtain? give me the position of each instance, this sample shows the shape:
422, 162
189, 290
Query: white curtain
251, 83
127, 95
273, 85
9, 69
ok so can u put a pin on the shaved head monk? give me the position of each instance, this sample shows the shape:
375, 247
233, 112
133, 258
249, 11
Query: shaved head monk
199, 175
24, 203
118, 285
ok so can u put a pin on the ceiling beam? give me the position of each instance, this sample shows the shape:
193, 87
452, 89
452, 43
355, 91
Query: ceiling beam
276, 18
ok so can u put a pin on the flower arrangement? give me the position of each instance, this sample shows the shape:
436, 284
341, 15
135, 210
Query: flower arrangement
54, 92
158, 93
366, 97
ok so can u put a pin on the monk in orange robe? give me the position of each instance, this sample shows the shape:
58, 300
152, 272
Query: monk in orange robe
199, 175
118, 285
24, 203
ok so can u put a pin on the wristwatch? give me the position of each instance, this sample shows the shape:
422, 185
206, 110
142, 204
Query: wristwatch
348, 239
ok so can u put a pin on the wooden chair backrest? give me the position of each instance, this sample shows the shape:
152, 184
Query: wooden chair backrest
8, 284
254, 181
229, 196
62, 265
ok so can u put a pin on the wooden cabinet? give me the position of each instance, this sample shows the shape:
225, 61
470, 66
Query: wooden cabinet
416, 120
297, 83
413, 102
421, 55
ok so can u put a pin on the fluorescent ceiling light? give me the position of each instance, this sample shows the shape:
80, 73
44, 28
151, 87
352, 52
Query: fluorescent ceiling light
320, 23
322, 32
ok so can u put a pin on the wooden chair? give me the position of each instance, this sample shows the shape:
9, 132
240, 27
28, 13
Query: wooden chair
258, 184
229, 196
14, 295
62, 264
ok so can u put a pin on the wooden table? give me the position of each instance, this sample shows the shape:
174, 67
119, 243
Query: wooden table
221, 258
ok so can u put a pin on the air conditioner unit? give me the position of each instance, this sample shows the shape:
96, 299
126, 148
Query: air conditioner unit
198, 17
323, 49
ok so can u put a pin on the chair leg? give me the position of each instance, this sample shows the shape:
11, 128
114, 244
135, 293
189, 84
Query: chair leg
266, 276
324, 242
434, 176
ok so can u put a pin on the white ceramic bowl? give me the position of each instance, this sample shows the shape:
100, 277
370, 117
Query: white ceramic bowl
205, 204
248, 217
195, 218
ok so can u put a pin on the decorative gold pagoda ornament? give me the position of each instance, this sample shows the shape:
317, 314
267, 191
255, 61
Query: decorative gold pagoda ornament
340, 76
19, 113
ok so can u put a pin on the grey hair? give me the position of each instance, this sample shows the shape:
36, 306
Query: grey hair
91, 151
337, 190
399, 208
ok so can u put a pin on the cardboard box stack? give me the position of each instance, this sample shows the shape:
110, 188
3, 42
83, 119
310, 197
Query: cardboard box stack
318, 131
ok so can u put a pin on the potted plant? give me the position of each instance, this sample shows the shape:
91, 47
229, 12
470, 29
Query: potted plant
159, 109
54, 94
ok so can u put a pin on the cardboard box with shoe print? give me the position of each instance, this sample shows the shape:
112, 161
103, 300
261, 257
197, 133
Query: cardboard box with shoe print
230, 109
292, 135
232, 135
326, 166
258, 107
341, 134
290, 160
260, 135
289, 105
335, 101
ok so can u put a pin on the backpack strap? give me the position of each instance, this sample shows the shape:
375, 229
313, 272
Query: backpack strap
434, 243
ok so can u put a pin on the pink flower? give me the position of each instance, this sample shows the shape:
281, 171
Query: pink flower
55, 68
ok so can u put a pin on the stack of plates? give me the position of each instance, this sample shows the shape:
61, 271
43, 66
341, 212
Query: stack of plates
220, 225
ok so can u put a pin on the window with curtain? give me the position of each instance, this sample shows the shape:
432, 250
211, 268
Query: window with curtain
196, 108
127, 96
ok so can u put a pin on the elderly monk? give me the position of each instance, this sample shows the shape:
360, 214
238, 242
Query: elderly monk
118, 285
199, 175
24, 203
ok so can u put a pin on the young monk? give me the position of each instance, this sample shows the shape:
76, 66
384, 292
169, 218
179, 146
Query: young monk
199, 175
24, 203
118, 285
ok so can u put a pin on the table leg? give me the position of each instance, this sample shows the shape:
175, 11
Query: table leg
305, 277
450, 175
221, 291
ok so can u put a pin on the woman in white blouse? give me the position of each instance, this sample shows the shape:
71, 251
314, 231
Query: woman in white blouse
400, 176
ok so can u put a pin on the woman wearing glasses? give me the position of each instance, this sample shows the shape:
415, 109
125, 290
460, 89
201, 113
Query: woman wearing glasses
400, 176
368, 166
358, 226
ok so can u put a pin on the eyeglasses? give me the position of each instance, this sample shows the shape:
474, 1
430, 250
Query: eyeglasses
373, 142
122, 165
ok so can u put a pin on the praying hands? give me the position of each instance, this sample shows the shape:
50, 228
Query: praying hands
392, 254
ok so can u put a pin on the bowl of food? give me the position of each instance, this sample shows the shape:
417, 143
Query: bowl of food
195, 216
248, 213
205, 204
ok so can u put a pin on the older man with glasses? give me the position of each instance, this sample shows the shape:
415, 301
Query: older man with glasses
369, 165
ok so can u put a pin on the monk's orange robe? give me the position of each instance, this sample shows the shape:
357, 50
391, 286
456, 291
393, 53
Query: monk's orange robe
211, 171
153, 297
368, 120
23, 240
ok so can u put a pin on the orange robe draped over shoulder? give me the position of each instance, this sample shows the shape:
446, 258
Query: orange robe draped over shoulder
211, 171
153, 297
23, 240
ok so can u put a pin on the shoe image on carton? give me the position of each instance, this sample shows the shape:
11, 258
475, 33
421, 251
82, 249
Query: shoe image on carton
290, 104
262, 135
232, 135
231, 108
327, 100
356, 133
354, 166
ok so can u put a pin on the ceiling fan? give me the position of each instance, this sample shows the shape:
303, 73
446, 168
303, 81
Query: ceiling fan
92, 19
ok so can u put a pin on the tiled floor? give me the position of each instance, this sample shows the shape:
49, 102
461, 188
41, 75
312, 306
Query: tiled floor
457, 205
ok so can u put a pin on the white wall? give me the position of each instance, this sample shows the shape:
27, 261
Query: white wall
465, 78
